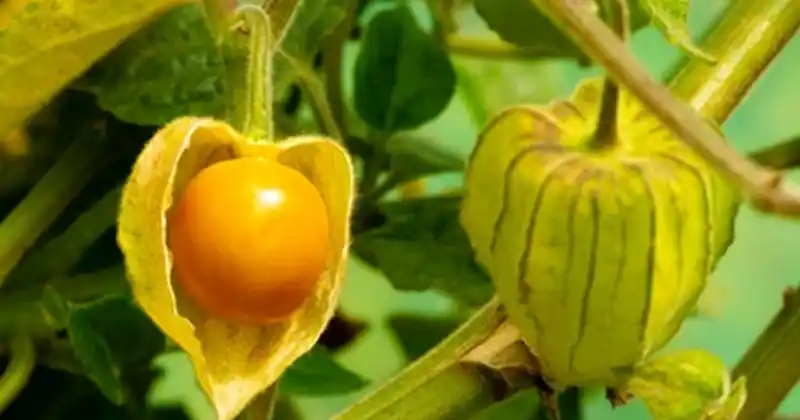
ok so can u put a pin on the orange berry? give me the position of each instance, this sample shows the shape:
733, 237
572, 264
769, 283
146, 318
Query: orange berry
249, 240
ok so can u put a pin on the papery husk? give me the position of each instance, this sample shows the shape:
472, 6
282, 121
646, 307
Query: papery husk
233, 363
598, 254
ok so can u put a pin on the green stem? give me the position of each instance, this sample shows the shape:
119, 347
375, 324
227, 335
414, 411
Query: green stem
745, 40
256, 118
60, 254
770, 365
605, 136
436, 386
82, 160
597, 41
20, 367
315, 91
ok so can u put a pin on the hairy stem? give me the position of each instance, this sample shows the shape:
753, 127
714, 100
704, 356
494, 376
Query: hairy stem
20, 367
82, 160
618, 18
255, 113
435, 386
768, 190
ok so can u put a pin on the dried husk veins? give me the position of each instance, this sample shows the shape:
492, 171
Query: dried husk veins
233, 363
598, 256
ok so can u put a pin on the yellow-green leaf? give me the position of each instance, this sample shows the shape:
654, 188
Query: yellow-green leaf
594, 248
38, 36
687, 385
233, 363
670, 17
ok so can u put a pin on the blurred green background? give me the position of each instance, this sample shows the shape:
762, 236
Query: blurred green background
742, 297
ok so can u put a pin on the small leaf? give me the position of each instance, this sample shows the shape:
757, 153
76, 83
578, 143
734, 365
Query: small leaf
403, 78
670, 17
39, 36
170, 68
424, 247
523, 405
417, 334
521, 23
317, 374
233, 363
110, 335
682, 385
413, 157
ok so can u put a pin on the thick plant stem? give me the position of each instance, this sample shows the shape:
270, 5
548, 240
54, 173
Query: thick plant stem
254, 114
770, 365
82, 160
435, 386
745, 40
768, 190
19, 369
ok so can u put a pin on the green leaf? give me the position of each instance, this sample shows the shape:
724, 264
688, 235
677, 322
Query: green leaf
109, 336
521, 23
417, 334
684, 385
412, 157
670, 17
45, 44
523, 405
403, 77
317, 374
424, 247
169, 69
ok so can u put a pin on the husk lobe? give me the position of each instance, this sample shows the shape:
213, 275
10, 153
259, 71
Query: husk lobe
598, 256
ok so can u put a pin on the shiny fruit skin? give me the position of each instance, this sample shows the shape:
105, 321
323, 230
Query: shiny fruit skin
249, 240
